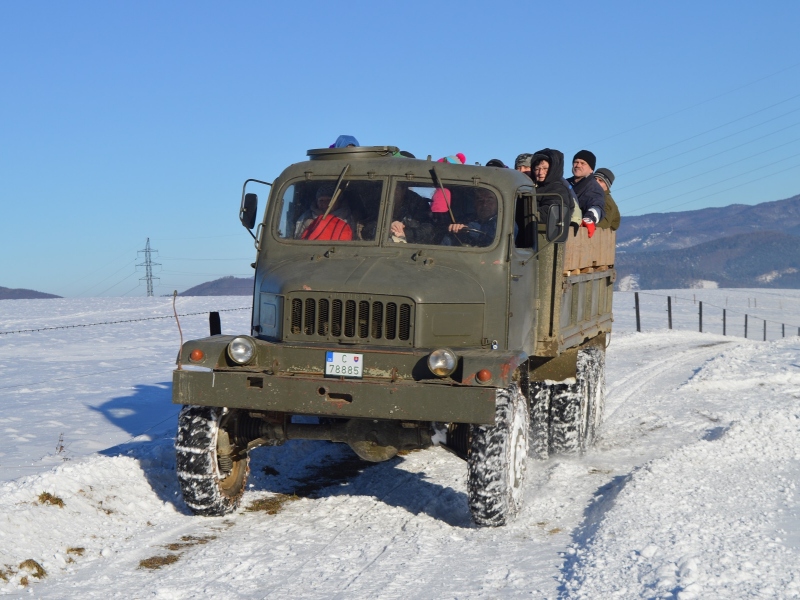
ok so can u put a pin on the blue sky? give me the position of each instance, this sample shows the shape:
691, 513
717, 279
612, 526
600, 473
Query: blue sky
123, 121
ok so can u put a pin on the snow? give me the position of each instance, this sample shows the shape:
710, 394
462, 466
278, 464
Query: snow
704, 284
690, 491
629, 283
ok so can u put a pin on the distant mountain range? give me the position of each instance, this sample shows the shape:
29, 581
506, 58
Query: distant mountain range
676, 230
226, 286
758, 259
22, 294
733, 246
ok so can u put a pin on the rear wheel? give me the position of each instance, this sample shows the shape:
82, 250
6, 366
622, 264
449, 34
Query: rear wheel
211, 473
592, 376
497, 461
565, 415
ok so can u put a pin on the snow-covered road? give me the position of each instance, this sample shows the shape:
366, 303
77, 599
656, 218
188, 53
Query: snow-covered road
690, 491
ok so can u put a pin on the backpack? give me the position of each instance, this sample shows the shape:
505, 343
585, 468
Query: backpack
328, 228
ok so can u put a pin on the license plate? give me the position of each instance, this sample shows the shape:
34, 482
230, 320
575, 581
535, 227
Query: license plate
343, 364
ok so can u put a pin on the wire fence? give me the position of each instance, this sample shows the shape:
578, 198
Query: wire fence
710, 317
204, 312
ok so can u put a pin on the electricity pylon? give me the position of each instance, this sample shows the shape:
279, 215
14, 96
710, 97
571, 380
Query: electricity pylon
148, 265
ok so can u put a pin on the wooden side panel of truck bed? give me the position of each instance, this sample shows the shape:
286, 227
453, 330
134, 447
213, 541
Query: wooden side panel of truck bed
576, 281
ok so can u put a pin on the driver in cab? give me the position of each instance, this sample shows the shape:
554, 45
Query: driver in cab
481, 231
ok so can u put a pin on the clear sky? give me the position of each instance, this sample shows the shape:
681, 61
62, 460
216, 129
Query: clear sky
122, 121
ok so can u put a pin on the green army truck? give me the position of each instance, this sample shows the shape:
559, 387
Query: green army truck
404, 303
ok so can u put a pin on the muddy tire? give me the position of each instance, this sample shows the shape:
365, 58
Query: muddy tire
592, 376
576, 405
539, 441
207, 488
497, 461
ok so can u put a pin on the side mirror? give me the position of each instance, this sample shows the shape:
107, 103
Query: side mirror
557, 228
247, 214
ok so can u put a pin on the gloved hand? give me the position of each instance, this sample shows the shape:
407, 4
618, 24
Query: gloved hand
590, 226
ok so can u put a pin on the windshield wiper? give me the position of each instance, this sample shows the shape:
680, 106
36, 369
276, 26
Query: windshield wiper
336, 191
438, 181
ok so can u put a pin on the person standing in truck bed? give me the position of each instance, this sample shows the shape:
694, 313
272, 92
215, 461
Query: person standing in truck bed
591, 197
548, 177
612, 217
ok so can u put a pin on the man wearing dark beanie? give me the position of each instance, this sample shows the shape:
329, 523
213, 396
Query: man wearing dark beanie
591, 197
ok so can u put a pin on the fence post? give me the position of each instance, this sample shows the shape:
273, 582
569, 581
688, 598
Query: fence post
765, 330
214, 325
669, 311
723, 320
745, 321
701, 316
783, 330
638, 320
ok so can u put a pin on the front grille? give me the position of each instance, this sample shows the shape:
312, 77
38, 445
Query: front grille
367, 319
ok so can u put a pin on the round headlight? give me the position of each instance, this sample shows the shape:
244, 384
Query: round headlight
442, 362
241, 350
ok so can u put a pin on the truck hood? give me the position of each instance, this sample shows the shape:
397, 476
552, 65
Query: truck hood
434, 284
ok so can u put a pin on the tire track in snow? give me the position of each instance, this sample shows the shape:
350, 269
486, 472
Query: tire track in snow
645, 375
653, 415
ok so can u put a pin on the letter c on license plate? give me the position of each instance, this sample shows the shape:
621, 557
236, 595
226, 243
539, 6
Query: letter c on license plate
343, 364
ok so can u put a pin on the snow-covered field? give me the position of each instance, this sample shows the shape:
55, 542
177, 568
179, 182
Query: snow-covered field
690, 493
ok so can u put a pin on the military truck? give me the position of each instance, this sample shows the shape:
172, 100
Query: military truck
400, 304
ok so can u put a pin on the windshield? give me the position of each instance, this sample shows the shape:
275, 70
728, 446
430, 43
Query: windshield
309, 211
459, 215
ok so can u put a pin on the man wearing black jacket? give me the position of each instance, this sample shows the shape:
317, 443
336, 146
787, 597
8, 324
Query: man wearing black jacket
591, 197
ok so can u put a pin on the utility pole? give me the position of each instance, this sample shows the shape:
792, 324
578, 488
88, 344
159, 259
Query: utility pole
148, 265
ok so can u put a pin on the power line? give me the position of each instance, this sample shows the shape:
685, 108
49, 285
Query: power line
116, 284
718, 192
677, 112
706, 131
704, 173
127, 265
709, 157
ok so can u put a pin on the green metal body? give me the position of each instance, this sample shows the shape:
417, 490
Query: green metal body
499, 308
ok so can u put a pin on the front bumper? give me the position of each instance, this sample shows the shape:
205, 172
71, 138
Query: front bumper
309, 395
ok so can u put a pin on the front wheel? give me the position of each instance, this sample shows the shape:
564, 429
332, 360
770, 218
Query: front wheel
211, 473
497, 461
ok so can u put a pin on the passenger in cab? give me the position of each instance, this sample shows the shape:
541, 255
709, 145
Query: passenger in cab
314, 225
591, 197
612, 218
412, 219
551, 187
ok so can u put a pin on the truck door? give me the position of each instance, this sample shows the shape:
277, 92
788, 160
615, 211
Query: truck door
522, 284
